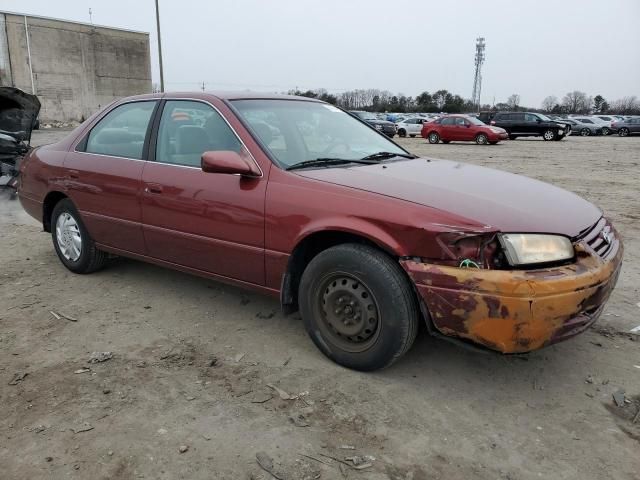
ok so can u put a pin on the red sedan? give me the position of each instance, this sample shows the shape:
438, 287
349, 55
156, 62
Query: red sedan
462, 128
298, 199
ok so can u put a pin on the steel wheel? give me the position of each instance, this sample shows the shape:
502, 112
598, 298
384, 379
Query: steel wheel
548, 135
585, 132
434, 137
349, 312
69, 237
481, 139
623, 132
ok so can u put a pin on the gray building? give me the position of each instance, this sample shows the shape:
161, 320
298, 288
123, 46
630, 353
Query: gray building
73, 68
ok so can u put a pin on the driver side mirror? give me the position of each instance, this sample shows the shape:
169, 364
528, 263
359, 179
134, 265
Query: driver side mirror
229, 162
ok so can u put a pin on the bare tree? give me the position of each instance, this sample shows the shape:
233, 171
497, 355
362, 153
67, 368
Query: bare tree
577, 102
513, 101
549, 102
626, 106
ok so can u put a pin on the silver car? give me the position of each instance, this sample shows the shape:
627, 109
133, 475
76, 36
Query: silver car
583, 126
410, 126
627, 127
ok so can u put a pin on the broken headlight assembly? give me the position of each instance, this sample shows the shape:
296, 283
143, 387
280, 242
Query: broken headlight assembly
530, 249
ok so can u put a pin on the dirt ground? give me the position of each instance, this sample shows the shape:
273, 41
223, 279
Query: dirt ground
222, 373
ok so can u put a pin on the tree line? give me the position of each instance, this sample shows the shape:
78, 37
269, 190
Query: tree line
376, 100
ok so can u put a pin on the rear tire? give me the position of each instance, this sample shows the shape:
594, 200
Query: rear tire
358, 307
549, 135
623, 132
412, 136
75, 248
493, 143
434, 137
446, 141
585, 132
512, 137
402, 132
605, 131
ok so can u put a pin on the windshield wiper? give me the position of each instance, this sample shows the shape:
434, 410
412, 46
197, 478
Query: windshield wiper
383, 155
329, 161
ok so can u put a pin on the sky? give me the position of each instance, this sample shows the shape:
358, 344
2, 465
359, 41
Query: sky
534, 49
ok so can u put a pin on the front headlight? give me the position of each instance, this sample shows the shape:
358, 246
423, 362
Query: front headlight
529, 248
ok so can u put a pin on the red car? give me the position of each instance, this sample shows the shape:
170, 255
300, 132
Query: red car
298, 199
462, 128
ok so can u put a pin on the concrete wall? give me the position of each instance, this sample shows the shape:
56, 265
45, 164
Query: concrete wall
77, 68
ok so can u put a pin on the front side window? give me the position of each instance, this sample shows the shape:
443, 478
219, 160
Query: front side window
188, 129
121, 133
293, 131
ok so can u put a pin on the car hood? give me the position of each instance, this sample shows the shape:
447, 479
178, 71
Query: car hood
379, 122
496, 199
18, 113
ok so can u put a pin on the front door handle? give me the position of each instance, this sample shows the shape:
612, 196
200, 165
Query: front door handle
153, 188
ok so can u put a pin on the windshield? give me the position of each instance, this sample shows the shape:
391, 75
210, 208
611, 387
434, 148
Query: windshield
543, 117
294, 131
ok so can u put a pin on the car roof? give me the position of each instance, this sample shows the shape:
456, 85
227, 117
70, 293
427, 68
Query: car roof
225, 95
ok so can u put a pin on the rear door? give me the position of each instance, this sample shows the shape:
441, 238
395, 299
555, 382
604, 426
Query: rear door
448, 128
210, 222
103, 173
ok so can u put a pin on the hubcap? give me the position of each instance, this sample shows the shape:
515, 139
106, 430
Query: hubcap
68, 237
433, 138
349, 312
482, 139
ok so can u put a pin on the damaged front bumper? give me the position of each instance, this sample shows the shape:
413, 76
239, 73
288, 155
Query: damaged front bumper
516, 311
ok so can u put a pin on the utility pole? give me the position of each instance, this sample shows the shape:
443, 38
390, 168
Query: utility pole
477, 80
159, 47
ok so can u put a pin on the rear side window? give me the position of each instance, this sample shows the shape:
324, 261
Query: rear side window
188, 129
448, 121
121, 133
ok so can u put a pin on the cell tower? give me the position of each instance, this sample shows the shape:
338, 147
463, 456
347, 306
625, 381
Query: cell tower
477, 81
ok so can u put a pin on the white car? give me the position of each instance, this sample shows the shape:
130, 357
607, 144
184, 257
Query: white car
410, 126
605, 122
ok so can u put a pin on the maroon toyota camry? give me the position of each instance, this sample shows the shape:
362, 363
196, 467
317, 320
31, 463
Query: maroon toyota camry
298, 199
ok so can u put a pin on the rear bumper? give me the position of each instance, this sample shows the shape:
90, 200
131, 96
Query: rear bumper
520, 310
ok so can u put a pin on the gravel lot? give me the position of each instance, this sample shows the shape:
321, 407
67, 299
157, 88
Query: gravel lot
193, 361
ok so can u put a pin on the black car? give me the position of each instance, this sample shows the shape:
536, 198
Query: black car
18, 116
526, 124
388, 128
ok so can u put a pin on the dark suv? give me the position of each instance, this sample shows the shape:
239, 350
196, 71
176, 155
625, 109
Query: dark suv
383, 126
526, 124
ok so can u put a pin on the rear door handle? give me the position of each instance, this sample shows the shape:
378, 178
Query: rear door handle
153, 188
75, 174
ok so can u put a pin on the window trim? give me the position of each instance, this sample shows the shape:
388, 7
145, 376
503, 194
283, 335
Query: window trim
81, 146
156, 126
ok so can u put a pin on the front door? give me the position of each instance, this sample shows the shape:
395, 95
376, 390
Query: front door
103, 175
206, 221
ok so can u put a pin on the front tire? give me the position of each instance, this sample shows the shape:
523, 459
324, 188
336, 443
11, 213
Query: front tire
482, 139
549, 135
358, 307
512, 137
72, 242
402, 132
433, 137
605, 131
412, 135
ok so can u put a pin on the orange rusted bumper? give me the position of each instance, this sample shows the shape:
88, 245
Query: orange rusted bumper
516, 311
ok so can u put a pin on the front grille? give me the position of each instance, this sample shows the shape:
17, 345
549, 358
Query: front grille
601, 238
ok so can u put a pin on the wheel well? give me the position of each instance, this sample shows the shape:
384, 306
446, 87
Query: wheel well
304, 252
48, 205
